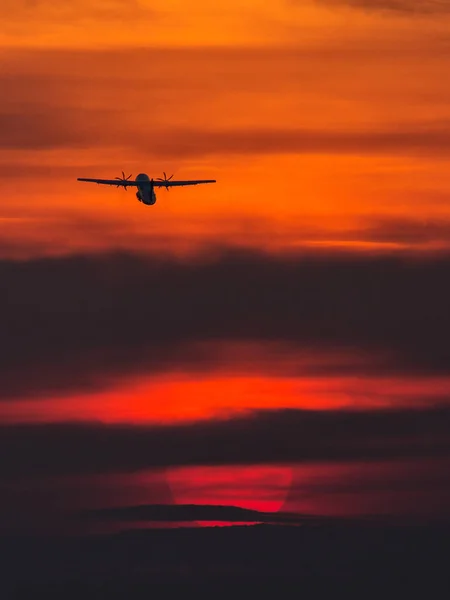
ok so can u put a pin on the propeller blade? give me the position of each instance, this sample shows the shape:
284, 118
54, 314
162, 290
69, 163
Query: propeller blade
165, 180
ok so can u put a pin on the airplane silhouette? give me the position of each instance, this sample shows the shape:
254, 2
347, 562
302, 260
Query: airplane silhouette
146, 186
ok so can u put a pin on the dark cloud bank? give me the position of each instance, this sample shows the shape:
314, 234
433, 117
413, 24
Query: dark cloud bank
79, 323
285, 436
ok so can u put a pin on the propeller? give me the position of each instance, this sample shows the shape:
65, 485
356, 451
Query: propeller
165, 180
123, 180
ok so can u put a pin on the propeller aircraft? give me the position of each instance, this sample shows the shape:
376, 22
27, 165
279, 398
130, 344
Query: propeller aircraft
145, 186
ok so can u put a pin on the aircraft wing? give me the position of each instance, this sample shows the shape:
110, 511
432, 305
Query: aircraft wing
144, 183
178, 183
112, 182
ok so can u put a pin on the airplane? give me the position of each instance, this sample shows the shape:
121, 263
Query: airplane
146, 186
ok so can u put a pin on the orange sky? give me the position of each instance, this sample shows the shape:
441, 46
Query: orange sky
323, 124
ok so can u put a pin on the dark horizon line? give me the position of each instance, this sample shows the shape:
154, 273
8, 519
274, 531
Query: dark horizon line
173, 513
188, 512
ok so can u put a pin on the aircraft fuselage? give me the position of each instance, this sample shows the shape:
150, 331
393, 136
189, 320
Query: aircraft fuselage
146, 191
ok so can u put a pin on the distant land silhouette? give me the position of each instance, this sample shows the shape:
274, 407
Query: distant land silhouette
190, 512
327, 556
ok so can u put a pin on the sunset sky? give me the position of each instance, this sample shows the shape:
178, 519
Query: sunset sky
278, 340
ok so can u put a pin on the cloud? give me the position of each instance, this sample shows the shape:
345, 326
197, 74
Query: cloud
50, 128
88, 105
35, 129
79, 10
79, 323
98, 100
408, 7
404, 140
264, 437
406, 230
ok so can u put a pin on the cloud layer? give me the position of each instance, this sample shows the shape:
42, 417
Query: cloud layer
78, 323
265, 437
95, 100
48, 129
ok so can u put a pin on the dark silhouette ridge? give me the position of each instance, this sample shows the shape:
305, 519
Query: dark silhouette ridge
183, 513
189, 512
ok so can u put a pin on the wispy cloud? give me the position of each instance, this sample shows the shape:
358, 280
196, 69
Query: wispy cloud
96, 100
47, 128
409, 7
78, 10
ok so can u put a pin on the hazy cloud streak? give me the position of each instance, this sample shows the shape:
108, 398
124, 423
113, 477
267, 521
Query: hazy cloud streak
405, 7
56, 11
50, 129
